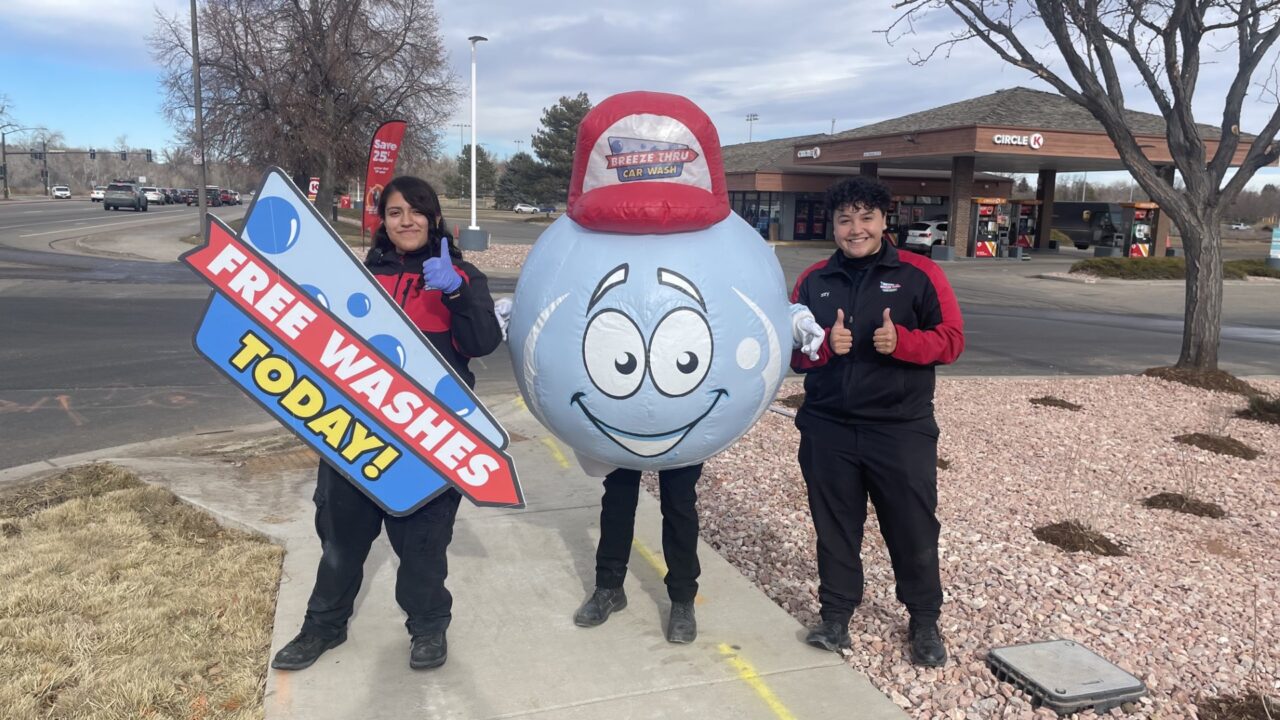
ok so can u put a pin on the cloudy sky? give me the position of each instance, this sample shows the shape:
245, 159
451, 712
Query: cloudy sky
83, 66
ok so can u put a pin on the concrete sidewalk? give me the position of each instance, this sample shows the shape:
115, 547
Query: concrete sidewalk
516, 576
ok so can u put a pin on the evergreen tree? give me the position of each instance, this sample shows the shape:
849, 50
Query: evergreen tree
458, 183
523, 181
555, 142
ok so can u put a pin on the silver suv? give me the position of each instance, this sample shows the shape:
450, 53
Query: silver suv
120, 195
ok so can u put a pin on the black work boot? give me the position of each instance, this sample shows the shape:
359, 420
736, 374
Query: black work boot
428, 651
830, 635
599, 606
925, 639
303, 651
682, 627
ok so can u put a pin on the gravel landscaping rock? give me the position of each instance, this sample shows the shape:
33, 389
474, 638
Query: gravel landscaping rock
1192, 609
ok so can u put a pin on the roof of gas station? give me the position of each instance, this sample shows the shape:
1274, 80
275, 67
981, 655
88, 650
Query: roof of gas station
1013, 130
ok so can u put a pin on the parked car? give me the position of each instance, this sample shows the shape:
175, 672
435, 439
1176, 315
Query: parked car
1239, 226
921, 236
120, 194
525, 208
188, 195
225, 197
153, 195
548, 209
61, 192
213, 197
172, 196
97, 193
235, 198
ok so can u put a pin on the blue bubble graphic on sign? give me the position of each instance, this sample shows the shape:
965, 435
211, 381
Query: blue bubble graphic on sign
389, 346
451, 393
358, 304
318, 294
273, 227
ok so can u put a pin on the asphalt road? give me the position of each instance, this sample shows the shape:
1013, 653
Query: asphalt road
97, 352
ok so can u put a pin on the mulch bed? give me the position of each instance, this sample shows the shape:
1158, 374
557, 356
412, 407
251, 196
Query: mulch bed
1219, 444
1181, 503
1051, 401
1076, 537
1217, 380
943, 463
1262, 409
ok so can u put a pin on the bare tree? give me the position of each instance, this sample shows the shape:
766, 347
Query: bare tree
1104, 44
303, 84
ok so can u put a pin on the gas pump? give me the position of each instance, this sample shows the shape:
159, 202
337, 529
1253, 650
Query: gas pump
985, 231
893, 222
1139, 236
1028, 223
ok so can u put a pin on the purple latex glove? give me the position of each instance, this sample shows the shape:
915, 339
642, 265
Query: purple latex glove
439, 273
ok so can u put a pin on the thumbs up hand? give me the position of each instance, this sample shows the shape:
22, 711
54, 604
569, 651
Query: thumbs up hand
885, 337
841, 337
438, 272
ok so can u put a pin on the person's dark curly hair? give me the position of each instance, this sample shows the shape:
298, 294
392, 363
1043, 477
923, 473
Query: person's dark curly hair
421, 197
859, 192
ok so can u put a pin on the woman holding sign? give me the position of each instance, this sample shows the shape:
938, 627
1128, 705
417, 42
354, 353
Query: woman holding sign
448, 299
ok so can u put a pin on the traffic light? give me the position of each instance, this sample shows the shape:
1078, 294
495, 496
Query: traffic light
148, 156
93, 154
37, 155
124, 155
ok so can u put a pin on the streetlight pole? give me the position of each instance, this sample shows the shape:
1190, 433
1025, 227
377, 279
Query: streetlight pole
751, 119
518, 144
462, 144
473, 238
203, 202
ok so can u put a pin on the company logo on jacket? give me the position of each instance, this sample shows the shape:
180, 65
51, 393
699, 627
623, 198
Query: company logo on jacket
889, 287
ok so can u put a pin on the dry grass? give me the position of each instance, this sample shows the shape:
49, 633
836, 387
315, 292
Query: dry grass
124, 602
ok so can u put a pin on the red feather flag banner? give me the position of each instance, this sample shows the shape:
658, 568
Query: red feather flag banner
383, 151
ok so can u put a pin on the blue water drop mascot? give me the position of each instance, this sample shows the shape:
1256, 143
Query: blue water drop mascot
649, 328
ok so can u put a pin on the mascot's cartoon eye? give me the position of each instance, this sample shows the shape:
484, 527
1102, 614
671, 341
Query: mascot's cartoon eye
613, 352
680, 352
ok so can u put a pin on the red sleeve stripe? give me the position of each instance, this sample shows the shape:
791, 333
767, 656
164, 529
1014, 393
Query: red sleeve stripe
940, 344
795, 292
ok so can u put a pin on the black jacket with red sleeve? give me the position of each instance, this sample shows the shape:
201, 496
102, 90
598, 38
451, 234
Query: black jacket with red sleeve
460, 326
864, 386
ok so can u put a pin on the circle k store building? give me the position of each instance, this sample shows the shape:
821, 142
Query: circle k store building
938, 165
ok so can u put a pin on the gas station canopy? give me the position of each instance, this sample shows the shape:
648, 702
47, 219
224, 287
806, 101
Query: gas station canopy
1015, 130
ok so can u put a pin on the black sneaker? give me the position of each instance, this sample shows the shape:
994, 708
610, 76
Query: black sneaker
830, 635
599, 606
428, 651
303, 651
925, 641
682, 627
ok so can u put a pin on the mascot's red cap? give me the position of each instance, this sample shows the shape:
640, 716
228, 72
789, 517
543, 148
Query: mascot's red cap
647, 163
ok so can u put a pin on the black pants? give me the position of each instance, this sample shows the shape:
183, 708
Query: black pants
347, 523
679, 496
896, 466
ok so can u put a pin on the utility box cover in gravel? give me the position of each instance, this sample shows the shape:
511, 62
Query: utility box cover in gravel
1065, 676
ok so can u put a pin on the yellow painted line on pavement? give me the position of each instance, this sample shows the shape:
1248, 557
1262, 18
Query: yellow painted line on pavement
748, 675
519, 402
657, 564
649, 557
556, 453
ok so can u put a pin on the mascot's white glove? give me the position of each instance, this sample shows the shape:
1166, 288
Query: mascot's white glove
806, 333
502, 311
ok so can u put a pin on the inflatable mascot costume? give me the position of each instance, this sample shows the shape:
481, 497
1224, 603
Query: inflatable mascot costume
651, 327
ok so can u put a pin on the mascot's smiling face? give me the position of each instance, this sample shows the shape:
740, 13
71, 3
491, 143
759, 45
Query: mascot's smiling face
649, 324
663, 350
